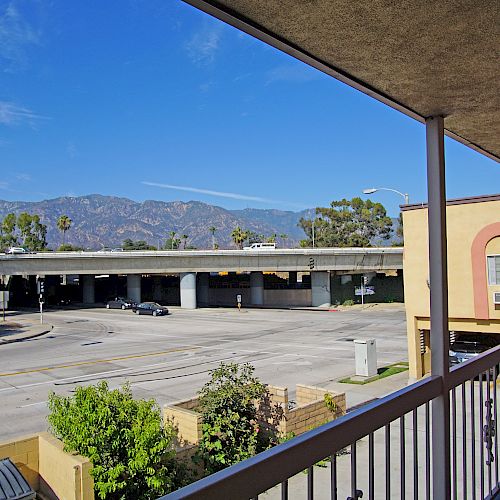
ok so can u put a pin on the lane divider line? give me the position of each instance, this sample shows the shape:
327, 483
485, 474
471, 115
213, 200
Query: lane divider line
95, 362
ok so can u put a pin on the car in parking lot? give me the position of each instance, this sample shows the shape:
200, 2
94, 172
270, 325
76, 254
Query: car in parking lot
151, 308
120, 303
466, 346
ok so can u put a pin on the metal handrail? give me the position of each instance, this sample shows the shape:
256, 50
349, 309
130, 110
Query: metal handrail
271, 467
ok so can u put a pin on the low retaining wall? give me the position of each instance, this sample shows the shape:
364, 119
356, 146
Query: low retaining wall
49, 469
311, 411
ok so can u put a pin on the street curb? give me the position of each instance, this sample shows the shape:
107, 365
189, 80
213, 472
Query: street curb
27, 337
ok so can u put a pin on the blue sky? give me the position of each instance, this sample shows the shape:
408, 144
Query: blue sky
138, 98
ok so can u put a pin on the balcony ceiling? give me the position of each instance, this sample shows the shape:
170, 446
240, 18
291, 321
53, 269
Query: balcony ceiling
422, 58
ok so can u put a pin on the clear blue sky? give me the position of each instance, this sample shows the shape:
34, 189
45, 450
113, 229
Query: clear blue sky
116, 97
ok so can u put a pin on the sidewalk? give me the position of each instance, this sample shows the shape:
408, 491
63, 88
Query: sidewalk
17, 331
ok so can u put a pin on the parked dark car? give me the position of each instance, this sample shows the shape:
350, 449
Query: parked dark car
470, 345
120, 303
150, 308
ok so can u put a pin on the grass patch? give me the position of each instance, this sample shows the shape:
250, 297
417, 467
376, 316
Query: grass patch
383, 372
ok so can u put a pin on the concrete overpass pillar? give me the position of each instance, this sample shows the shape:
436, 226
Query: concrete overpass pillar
88, 288
203, 289
320, 288
292, 278
188, 290
157, 290
256, 288
134, 287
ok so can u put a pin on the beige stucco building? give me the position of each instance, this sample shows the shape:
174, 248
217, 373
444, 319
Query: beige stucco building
473, 233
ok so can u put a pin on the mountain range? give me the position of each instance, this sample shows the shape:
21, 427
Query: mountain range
105, 221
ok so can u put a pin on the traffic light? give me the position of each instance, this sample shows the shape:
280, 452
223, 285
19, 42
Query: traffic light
41, 287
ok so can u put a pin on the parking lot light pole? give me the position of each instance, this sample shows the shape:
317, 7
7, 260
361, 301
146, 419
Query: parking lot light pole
374, 190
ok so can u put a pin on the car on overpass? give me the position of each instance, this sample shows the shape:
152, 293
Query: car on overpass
16, 250
151, 308
120, 303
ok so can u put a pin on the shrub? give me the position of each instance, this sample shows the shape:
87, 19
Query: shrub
131, 451
348, 302
230, 423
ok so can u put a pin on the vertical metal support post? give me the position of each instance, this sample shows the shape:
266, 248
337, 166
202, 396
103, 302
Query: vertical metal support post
440, 338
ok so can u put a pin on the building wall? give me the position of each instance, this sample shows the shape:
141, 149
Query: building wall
465, 221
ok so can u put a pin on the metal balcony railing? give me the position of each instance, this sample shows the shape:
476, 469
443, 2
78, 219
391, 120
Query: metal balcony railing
384, 449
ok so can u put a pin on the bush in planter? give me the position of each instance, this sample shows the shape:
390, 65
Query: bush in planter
230, 429
131, 451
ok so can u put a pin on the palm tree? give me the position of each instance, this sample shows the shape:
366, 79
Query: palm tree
283, 238
63, 224
172, 237
184, 238
239, 236
272, 238
212, 230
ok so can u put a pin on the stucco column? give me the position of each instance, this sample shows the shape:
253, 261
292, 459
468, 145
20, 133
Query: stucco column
157, 290
320, 288
256, 288
134, 287
88, 288
203, 289
188, 290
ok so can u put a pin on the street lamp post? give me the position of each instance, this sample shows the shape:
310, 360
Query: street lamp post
374, 190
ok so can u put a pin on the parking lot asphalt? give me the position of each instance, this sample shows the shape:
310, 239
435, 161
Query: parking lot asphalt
169, 358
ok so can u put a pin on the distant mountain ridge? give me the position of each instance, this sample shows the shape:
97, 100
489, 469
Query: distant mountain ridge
105, 221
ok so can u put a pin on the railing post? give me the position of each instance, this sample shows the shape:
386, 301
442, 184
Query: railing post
438, 275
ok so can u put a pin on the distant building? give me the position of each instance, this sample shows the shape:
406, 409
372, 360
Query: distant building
473, 228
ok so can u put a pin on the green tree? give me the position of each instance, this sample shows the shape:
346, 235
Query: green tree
129, 244
271, 238
7, 232
67, 247
33, 232
347, 223
172, 244
172, 239
63, 224
400, 232
284, 237
239, 236
132, 452
230, 432
212, 230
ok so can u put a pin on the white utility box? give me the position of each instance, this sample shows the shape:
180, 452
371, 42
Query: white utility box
365, 354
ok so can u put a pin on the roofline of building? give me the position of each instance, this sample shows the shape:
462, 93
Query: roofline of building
454, 201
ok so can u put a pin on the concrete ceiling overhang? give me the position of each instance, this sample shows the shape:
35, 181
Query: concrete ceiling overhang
422, 57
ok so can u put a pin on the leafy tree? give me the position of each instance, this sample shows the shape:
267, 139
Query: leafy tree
271, 238
129, 244
230, 432
238, 235
172, 239
347, 223
63, 224
7, 232
399, 232
132, 453
172, 244
33, 232
212, 230
284, 237
67, 247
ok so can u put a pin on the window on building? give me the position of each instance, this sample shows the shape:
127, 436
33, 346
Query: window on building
494, 269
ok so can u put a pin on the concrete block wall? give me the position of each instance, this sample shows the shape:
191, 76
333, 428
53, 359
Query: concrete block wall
49, 469
24, 453
187, 422
63, 475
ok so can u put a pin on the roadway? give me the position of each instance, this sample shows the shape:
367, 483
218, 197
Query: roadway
168, 358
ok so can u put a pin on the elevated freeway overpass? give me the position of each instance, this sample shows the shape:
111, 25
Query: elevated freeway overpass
194, 267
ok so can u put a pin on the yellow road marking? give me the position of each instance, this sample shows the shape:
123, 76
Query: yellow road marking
81, 363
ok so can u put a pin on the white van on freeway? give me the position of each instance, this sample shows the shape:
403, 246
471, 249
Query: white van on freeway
261, 246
